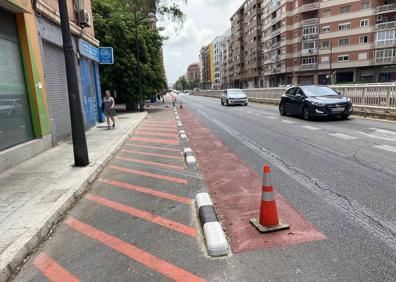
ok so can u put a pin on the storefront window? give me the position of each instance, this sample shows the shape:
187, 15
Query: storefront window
15, 122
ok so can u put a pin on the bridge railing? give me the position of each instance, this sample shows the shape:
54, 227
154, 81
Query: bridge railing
380, 96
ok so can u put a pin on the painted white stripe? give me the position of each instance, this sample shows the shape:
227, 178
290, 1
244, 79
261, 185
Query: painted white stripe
287, 121
257, 114
249, 112
310, 127
387, 148
269, 117
343, 136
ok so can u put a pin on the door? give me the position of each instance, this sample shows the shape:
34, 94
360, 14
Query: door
297, 101
57, 92
89, 91
288, 100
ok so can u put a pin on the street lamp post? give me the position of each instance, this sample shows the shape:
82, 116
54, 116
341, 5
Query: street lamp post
151, 18
80, 148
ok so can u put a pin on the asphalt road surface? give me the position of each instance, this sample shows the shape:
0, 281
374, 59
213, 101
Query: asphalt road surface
336, 181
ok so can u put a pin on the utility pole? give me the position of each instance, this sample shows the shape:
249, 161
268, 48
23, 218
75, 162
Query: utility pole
80, 149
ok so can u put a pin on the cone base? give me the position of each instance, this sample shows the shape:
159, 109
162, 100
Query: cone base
265, 229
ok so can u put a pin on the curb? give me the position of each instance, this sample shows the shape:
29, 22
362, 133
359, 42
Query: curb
29, 241
215, 238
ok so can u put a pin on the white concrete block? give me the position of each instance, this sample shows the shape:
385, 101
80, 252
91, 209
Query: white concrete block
187, 151
183, 136
215, 239
190, 160
203, 199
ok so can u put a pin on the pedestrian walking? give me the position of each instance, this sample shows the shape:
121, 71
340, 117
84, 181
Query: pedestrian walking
109, 110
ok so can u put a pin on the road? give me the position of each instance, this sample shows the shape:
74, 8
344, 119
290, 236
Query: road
340, 175
335, 182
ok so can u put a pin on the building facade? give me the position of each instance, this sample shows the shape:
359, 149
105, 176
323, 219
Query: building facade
225, 51
193, 75
206, 57
280, 42
34, 107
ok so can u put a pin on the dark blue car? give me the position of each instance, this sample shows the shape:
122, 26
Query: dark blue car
315, 101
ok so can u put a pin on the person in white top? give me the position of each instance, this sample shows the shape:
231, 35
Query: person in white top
108, 108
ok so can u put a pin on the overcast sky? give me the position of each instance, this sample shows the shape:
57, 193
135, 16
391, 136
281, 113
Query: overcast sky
205, 19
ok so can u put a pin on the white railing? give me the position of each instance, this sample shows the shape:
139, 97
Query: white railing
385, 60
311, 66
310, 22
388, 42
378, 96
309, 7
308, 52
386, 25
385, 8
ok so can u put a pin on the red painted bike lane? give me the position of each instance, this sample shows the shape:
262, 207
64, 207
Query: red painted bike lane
236, 190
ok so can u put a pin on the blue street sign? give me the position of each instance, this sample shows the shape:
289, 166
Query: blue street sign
106, 56
89, 50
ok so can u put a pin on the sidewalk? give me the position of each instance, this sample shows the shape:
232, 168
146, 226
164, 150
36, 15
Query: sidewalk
35, 194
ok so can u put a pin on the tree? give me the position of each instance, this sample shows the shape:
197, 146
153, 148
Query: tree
115, 26
181, 83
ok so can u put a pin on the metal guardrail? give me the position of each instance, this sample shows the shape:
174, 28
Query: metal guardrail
380, 96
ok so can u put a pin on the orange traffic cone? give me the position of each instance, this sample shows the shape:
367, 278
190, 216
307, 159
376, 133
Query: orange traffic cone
268, 220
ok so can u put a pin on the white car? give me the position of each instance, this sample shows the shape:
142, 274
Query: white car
234, 97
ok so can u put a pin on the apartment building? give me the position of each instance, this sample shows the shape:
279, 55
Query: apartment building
217, 61
225, 51
245, 62
193, 75
312, 41
206, 58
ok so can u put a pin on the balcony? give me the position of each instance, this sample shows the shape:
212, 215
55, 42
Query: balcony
275, 6
274, 20
309, 52
276, 32
385, 60
312, 66
385, 43
309, 7
309, 36
385, 9
309, 22
275, 45
275, 58
387, 25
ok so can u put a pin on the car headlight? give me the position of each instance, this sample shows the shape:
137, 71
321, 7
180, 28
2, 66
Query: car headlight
349, 100
316, 103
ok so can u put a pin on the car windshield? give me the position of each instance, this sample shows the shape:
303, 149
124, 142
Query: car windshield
235, 92
316, 91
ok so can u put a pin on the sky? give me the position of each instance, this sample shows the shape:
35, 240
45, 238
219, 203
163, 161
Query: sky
205, 19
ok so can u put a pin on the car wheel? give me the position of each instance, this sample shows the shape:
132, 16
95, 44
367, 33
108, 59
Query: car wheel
345, 117
221, 101
306, 113
227, 103
245, 104
282, 110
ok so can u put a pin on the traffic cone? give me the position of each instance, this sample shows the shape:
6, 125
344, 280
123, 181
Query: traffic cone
268, 220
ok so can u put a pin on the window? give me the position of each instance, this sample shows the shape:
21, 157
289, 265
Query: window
326, 13
363, 39
326, 29
343, 42
308, 60
309, 45
365, 5
291, 91
325, 44
310, 30
364, 23
345, 9
344, 26
362, 56
325, 59
343, 58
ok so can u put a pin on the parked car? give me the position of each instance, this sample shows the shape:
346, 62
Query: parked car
234, 97
315, 101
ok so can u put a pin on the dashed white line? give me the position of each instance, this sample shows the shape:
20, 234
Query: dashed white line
269, 117
287, 121
257, 114
343, 136
386, 147
249, 112
310, 127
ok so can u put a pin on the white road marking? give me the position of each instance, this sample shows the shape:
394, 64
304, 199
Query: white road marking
287, 121
310, 127
343, 136
269, 117
386, 147
249, 112
257, 114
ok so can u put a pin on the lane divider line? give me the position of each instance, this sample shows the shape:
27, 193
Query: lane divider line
216, 241
386, 148
155, 263
52, 270
174, 157
343, 136
310, 127
155, 140
148, 174
145, 190
181, 228
153, 147
133, 160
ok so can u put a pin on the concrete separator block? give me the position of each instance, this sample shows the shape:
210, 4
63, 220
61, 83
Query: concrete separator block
187, 151
190, 160
215, 239
203, 199
183, 136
